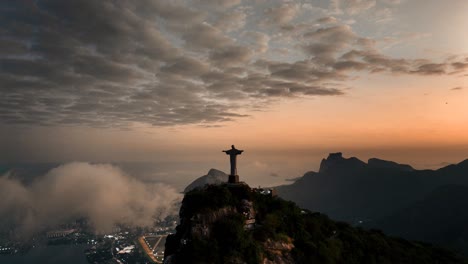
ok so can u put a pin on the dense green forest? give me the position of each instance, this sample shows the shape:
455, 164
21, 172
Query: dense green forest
312, 237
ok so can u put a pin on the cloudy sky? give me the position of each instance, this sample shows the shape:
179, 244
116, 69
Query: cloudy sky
180, 80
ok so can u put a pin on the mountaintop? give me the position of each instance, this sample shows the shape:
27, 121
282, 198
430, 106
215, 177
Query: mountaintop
232, 223
384, 164
426, 205
336, 161
213, 176
352, 190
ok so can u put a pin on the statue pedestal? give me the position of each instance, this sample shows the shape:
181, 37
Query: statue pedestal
233, 179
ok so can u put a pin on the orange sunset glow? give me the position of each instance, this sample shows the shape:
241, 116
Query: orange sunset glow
370, 78
233, 131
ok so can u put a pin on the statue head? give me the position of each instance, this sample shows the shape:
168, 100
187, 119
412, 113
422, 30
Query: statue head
232, 147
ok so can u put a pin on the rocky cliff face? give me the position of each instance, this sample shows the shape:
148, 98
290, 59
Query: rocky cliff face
222, 219
213, 229
201, 224
335, 161
279, 251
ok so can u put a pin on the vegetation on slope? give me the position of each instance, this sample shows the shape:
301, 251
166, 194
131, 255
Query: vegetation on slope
306, 237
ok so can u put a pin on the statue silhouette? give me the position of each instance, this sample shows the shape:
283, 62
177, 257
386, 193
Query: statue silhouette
233, 152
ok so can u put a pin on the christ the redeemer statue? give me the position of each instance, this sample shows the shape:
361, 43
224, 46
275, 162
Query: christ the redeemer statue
233, 152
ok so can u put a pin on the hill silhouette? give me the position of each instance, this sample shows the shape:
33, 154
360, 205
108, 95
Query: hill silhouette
213, 176
351, 190
425, 205
213, 229
440, 218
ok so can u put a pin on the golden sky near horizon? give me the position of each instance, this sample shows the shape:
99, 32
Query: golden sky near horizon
180, 80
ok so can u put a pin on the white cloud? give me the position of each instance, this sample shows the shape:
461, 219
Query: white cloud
102, 193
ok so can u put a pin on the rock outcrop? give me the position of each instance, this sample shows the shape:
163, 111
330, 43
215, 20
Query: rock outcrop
213, 229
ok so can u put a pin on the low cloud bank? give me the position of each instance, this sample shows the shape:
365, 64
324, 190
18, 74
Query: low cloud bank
102, 193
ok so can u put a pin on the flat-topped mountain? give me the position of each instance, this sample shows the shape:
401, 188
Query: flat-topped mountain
335, 161
426, 205
352, 190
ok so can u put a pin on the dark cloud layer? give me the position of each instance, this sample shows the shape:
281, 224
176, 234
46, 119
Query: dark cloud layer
111, 63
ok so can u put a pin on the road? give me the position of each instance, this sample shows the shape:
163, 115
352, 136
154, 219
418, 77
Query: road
149, 251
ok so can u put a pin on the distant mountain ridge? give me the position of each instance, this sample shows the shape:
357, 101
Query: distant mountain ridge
213, 176
378, 163
350, 189
336, 161
427, 205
